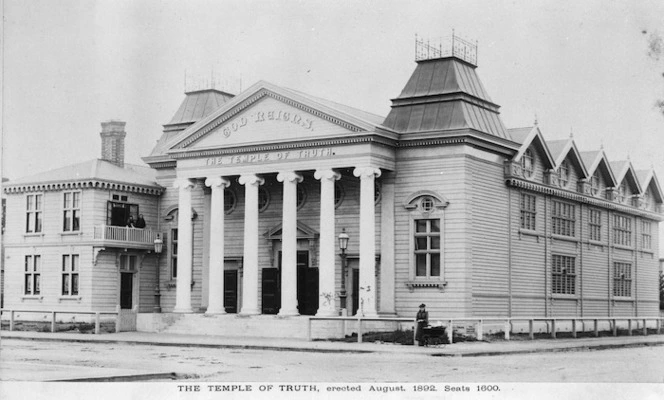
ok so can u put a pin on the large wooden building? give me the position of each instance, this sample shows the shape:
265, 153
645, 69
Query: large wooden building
442, 205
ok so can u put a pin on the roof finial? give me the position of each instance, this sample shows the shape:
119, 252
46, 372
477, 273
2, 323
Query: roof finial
571, 132
535, 122
601, 145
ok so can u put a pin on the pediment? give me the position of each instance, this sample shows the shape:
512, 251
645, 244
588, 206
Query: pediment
303, 232
267, 114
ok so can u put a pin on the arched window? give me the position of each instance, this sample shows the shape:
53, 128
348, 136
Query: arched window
230, 201
301, 196
338, 194
263, 199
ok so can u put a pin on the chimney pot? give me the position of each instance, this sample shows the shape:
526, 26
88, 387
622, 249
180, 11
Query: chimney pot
112, 142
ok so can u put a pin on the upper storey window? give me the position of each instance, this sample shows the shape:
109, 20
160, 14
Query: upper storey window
71, 213
33, 214
563, 173
528, 163
622, 193
594, 183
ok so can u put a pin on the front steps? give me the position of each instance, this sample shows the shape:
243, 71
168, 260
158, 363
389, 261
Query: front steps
266, 326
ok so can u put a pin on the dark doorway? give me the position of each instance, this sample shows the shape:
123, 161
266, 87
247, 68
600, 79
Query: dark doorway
118, 213
230, 291
356, 291
271, 291
307, 287
126, 290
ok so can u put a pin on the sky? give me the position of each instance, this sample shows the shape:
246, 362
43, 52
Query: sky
590, 68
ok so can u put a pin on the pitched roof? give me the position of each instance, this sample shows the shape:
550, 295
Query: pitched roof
96, 169
198, 104
648, 178
445, 94
623, 170
519, 135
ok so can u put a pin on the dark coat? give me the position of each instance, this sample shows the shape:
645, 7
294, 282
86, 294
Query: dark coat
422, 319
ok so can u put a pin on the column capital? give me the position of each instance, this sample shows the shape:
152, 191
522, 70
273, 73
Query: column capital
251, 179
184, 183
289, 176
328, 174
366, 172
217, 181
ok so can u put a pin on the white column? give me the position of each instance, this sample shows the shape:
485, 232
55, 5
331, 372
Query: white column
250, 264
327, 258
216, 285
367, 306
185, 246
289, 244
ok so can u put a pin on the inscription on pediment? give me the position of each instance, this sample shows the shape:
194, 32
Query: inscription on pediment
259, 117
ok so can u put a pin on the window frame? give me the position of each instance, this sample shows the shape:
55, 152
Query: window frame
564, 167
173, 263
622, 285
595, 184
622, 230
646, 235
32, 275
528, 214
416, 213
528, 156
429, 252
594, 225
34, 209
563, 283
70, 281
71, 211
563, 218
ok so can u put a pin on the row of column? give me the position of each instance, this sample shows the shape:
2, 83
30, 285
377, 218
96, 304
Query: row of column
290, 179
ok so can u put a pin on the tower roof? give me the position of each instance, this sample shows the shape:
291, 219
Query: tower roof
445, 94
199, 104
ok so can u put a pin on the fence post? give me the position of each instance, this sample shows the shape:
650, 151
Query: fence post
359, 330
531, 329
659, 326
615, 328
596, 326
117, 323
645, 327
450, 332
629, 327
97, 324
11, 320
508, 328
574, 328
52, 321
553, 328
480, 330
309, 329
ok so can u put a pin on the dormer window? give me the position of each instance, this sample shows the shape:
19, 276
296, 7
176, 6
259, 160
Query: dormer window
528, 163
622, 192
563, 173
594, 183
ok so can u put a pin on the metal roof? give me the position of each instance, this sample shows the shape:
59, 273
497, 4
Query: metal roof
445, 94
199, 104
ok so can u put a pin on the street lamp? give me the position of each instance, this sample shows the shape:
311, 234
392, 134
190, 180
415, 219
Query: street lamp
158, 247
343, 245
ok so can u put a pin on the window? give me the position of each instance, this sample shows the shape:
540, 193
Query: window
71, 217
646, 235
647, 200
622, 279
230, 201
301, 196
378, 193
33, 217
117, 214
528, 163
594, 183
426, 204
70, 275
563, 173
528, 211
563, 275
622, 230
622, 193
338, 194
174, 253
427, 247
263, 199
32, 274
563, 219
128, 263
595, 224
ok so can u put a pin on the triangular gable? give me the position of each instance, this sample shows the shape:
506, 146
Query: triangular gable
536, 138
624, 170
594, 160
562, 149
303, 232
648, 179
303, 111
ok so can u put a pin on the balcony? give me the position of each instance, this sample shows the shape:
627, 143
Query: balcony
124, 237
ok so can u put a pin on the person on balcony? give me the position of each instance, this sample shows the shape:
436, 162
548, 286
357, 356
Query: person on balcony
140, 222
130, 222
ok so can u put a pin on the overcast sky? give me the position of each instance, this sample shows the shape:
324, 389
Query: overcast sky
68, 65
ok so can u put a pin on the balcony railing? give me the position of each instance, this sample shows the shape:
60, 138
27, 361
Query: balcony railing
123, 234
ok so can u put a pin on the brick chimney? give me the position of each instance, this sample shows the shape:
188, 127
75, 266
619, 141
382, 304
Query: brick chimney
112, 142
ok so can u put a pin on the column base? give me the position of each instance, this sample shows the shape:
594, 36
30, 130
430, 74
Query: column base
288, 313
215, 312
183, 311
247, 312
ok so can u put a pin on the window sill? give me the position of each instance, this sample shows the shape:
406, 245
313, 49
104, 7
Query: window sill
38, 297
623, 247
27, 235
528, 232
564, 238
426, 284
75, 233
70, 298
559, 296
626, 299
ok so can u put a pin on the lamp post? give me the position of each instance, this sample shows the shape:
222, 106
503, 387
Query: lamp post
343, 245
158, 247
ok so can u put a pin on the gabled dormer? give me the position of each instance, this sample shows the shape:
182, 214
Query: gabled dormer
628, 189
601, 178
533, 161
570, 172
651, 199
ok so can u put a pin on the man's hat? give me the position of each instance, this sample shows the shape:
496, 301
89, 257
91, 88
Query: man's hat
422, 305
